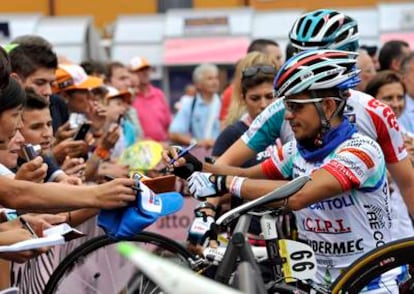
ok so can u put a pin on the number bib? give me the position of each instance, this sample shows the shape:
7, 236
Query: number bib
299, 260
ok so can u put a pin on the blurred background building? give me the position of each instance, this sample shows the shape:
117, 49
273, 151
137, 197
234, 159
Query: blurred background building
176, 35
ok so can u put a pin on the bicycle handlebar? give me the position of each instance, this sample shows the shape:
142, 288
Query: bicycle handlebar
275, 195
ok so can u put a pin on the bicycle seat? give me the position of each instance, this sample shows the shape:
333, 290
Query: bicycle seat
275, 195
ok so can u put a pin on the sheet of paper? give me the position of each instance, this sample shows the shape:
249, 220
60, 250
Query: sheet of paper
56, 235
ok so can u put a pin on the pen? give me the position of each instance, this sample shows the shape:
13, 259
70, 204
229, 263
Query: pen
27, 226
183, 152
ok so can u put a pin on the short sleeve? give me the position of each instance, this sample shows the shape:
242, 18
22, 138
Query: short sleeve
358, 164
280, 163
266, 127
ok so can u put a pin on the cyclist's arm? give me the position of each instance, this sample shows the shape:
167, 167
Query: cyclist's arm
322, 186
263, 132
236, 154
403, 174
349, 168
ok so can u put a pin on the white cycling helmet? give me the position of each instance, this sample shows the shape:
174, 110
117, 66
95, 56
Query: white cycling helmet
317, 70
325, 29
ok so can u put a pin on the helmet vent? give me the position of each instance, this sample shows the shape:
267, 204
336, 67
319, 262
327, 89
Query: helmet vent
332, 29
318, 27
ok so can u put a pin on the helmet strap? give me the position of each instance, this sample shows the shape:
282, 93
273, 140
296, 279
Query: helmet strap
325, 124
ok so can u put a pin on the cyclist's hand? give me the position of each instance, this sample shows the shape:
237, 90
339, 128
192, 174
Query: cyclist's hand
203, 185
114, 194
33, 171
198, 229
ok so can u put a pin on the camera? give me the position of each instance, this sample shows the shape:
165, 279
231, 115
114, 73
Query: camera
31, 151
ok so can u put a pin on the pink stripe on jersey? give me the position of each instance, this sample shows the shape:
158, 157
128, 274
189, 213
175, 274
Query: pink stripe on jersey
343, 174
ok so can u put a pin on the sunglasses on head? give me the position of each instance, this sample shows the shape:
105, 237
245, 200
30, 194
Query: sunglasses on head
253, 70
295, 105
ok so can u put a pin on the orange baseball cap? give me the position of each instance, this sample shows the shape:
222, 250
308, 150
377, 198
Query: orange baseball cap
115, 93
74, 77
138, 63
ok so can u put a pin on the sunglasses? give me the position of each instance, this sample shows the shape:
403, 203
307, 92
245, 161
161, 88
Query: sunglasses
295, 105
253, 70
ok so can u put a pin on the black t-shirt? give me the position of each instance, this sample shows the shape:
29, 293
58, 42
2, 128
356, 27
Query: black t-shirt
227, 138
59, 112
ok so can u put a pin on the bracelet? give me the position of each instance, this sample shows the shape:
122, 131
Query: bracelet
235, 186
102, 153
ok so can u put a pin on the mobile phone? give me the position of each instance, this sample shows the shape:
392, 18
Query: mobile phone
120, 119
31, 151
82, 131
76, 119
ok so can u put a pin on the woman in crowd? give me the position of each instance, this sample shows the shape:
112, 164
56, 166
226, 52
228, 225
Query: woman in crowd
252, 93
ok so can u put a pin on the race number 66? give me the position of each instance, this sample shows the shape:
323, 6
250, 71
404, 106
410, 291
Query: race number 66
299, 260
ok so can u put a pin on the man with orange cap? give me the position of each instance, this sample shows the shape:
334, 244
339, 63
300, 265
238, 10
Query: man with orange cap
153, 111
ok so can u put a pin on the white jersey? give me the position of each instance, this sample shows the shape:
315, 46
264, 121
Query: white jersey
372, 117
344, 227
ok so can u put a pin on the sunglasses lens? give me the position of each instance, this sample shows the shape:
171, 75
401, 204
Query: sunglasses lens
293, 106
267, 69
251, 71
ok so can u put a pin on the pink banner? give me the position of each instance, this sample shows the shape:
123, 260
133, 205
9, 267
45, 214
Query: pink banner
196, 50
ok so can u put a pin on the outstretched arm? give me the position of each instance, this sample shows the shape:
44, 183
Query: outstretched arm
31, 196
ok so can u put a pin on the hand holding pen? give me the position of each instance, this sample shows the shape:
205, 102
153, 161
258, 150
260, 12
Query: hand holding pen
182, 153
28, 227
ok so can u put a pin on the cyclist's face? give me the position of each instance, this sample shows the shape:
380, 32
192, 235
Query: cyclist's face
304, 120
258, 98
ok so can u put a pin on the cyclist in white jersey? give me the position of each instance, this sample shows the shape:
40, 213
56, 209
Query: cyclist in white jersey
331, 29
343, 212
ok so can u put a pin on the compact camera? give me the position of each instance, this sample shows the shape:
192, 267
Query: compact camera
31, 151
